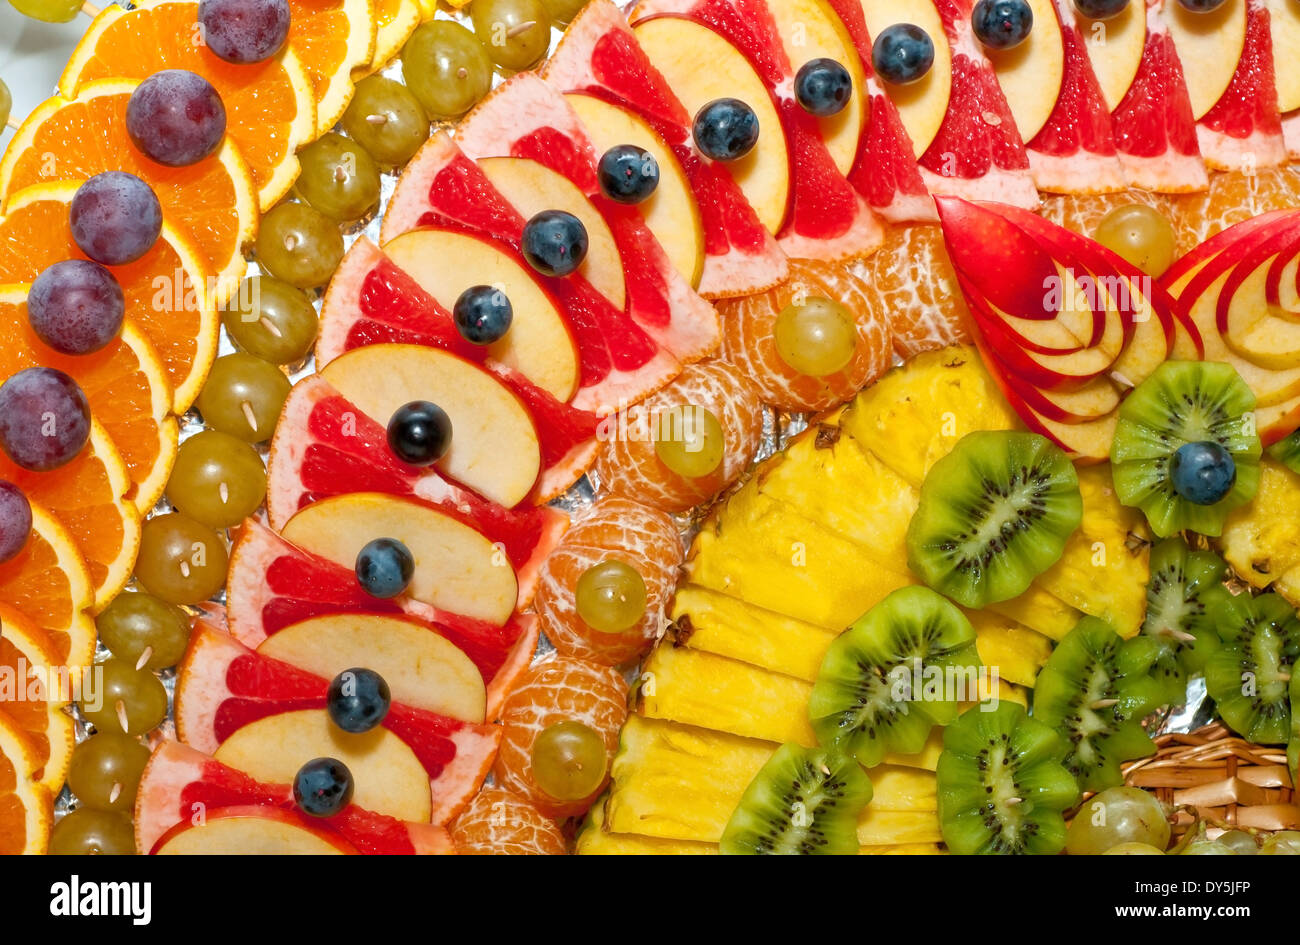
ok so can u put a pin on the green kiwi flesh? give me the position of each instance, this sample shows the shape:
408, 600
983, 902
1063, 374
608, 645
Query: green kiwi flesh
899, 670
802, 801
1094, 690
1001, 783
1184, 402
993, 515
1182, 586
1287, 451
1251, 676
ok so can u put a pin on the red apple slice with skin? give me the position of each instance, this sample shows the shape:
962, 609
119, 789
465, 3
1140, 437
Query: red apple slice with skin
251, 831
1092, 401
456, 568
494, 447
1243, 315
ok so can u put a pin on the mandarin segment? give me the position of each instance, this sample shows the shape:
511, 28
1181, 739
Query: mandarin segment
1232, 198
911, 279
500, 821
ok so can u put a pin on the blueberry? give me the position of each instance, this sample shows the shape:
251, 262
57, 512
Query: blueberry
725, 129
1100, 9
627, 174
1200, 6
1002, 24
358, 700
323, 787
419, 433
483, 314
823, 87
384, 568
902, 53
555, 242
1202, 472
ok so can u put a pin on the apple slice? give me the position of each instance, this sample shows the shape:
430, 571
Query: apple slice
250, 831
1115, 48
1031, 73
532, 187
456, 568
421, 668
538, 345
922, 104
388, 777
1093, 401
677, 46
1210, 45
494, 446
671, 213
1243, 315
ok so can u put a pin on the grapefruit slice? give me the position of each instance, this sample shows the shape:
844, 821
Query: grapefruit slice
598, 55
273, 584
977, 152
270, 110
177, 778
441, 187
34, 698
223, 687
527, 118
827, 218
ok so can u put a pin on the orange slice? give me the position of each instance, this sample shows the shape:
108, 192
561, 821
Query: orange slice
395, 21
48, 583
125, 383
40, 691
164, 289
270, 106
214, 200
88, 497
332, 37
26, 808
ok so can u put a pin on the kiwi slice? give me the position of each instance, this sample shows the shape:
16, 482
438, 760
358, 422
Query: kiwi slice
1094, 689
1250, 677
1293, 748
1184, 402
993, 515
1001, 783
1182, 586
899, 670
803, 800
1287, 451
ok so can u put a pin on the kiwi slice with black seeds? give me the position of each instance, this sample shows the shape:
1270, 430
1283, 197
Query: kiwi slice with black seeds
1001, 783
1182, 586
1094, 690
1293, 748
1287, 451
993, 515
1251, 676
899, 670
802, 801
1184, 402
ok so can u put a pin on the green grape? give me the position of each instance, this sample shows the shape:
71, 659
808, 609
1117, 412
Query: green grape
137, 625
817, 337
689, 441
49, 11
339, 177
387, 120
243, 396
218, 479
271, 320
562, 11
299, 244
86, 831
569, 761
1139, 234
105, 771
610, 597
181, 561
446, 69
1133, 848
1282, 843
1117, 815
515, 33
6, 102
1240, 842
122, 692
1208, 848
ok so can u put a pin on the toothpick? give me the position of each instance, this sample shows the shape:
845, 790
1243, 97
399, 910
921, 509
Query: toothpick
90, 9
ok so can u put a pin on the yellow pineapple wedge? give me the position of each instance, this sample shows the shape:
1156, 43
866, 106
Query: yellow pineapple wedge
1039, 611
594, 839
1016, 652
1261, 539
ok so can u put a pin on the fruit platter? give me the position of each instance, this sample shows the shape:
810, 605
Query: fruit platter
655, 427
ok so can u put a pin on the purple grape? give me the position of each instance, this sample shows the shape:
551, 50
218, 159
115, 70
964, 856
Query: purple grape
15, 520
44, 419
115, 218
176, 118
76, 306
244, 31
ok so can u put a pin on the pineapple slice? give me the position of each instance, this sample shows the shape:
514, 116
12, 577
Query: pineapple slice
1105, 566
926, 759
895, 787
595, 840
1017, 652
715, 623
1039, 611
888, 827
913, 416
1261, 539
761, 551
697, 688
